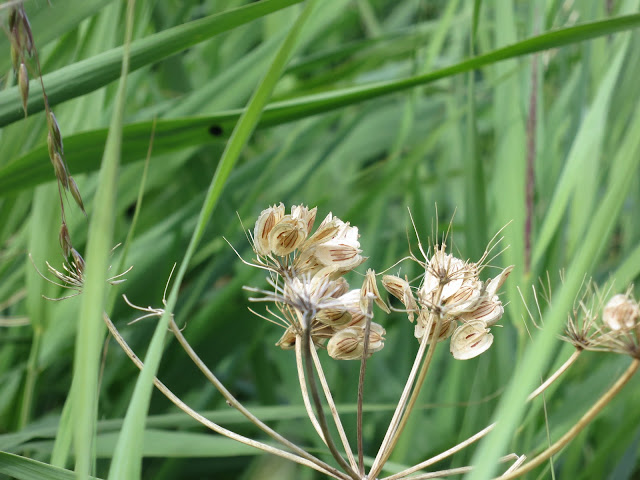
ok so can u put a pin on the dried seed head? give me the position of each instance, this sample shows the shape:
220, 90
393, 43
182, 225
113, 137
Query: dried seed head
65, 240
51, 145
494, 285
287, 340
470, 340
621, 313
287, 235
23, 83
15, 58
370, 290
75, 193
265, 223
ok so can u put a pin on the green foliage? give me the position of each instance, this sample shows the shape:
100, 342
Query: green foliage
361, 108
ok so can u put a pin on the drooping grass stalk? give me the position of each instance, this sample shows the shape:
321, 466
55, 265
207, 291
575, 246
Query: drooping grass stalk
208, 423
441, 456
580, 424
563, 368
232, 401
307, 345
333, 409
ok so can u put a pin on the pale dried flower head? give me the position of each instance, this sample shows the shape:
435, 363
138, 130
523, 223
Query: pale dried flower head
621, 313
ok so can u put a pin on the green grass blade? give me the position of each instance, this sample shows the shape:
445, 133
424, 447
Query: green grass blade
90, 328
100, 70
22, 468
128, 456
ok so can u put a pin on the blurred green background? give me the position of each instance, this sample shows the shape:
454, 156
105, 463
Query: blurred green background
384, 106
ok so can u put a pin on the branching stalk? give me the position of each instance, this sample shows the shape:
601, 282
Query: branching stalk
333, 409
579, 426
443, 455
308, 366
233, 402
205, 421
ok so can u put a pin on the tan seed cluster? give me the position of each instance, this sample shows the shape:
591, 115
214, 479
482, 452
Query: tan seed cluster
308, 279
452, 291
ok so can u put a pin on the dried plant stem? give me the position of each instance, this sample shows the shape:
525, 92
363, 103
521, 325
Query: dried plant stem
333, 409
363, 370
565, 366
579, 426
305, 392
461, 470
233, 402
307, 360
205, 421
376, 467
443, 455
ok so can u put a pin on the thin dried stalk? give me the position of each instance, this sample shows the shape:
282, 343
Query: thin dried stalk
579, 426
400, 415
305, 392
563, 368
333, 409
401, 403
363, 369
233, 402
443, 455
461, 470
205, 421
306, 348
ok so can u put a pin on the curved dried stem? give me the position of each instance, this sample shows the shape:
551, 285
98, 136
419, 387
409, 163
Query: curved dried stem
376, 467
363, 370
333, 409
233, 402
579, 426
305, 393
205, 421
563, 368
307, 360
461, 470
441, 456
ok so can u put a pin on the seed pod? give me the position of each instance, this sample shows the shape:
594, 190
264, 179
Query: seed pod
75, 192
490, 310
266, 221
15, 58
78, 261
470, 340
370, 287
287, 235
23, 83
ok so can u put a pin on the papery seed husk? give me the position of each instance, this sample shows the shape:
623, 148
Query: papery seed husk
326, 231
494, 285
370, 287
346, 344
489, 311
333, 316
266, 221
470, 340
287, 235
78, 261
287, 340
303, 213
465, 299
23, 82
447, 327
340, 255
